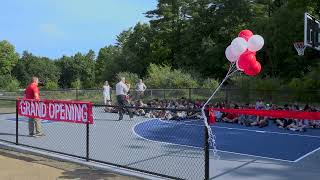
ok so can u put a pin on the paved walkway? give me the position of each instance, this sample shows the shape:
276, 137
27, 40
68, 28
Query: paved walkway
19, 166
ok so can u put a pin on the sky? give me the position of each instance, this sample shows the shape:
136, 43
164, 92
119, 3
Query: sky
53, 28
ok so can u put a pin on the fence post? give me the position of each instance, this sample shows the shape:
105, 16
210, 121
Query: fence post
87, 143
206, 154
17, 123
164, 93
151, 94
77, 95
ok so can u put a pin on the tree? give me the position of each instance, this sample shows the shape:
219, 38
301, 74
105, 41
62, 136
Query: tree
8, 57
79, 67
42, 67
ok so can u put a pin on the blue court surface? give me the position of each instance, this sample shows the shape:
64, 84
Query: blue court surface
269, 142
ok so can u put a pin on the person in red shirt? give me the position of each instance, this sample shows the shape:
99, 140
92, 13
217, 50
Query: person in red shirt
32, 92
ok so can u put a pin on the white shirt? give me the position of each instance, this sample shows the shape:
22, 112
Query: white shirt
141, 87
106, 91
121, 88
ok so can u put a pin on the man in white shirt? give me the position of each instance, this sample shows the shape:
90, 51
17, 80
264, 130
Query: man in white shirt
122, 90
140, 88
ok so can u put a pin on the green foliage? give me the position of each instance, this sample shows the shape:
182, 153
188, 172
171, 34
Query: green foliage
186, 35
78, 67
8, 57
210, 83
30, 65
50, 85
162, 76
13, 85
131, 78
8, 83
76, 84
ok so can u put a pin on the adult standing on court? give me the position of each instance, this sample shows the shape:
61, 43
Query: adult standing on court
32, 92
121, 92
106, 95
140, 88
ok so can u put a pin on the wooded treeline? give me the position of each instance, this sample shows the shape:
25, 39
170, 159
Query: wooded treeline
182, 46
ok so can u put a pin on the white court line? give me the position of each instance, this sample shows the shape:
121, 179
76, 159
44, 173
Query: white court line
230, 152
241, 129
309, 153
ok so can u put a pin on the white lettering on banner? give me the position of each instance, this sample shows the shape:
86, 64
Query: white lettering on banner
85, 113
32, 109
56, 111
22, 108
43, 110
80, 113
76, 112
67, 112
62, 111
27, 108
51, 110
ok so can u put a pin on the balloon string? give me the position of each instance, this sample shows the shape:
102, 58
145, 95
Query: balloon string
211, 139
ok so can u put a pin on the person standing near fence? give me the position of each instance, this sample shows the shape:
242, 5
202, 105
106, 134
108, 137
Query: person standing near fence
121, 92
140, 88
32, 92
106, 95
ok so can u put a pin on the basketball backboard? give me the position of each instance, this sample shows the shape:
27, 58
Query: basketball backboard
311, 32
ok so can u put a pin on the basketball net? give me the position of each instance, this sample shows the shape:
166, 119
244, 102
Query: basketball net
300, 47
212, 138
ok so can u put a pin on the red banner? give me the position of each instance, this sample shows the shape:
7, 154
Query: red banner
273, 113
56, 110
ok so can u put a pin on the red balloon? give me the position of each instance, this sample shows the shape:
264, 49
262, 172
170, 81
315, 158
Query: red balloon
254, 69
246, 59
247, 51
246, 34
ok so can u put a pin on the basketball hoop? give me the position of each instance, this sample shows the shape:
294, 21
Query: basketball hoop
300, 47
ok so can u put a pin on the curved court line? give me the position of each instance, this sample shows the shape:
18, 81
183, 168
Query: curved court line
244, 129
230, 152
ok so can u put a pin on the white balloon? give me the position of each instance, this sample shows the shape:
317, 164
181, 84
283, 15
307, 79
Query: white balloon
255, 43
230, 56
238, 46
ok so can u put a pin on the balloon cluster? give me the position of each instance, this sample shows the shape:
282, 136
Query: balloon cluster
243, 50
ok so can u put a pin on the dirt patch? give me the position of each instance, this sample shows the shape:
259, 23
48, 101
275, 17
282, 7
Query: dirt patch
20, 166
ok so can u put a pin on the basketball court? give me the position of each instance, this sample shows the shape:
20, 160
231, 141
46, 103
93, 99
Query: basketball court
175, 148
149, 144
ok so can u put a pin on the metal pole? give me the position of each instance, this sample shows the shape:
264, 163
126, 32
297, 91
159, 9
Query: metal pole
206, 153
17, 123
77, 96
164, 94
87, 143
190, 94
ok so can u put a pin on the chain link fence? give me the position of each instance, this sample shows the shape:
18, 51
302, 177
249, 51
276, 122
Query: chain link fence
149, 142
233, 95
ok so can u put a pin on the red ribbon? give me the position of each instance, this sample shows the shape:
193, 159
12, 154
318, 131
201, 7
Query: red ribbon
302, 115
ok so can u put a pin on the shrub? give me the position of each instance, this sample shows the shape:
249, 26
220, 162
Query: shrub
13, 85
162, 76
76, 84
50, 85
9, 83
131, 78
210, 83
